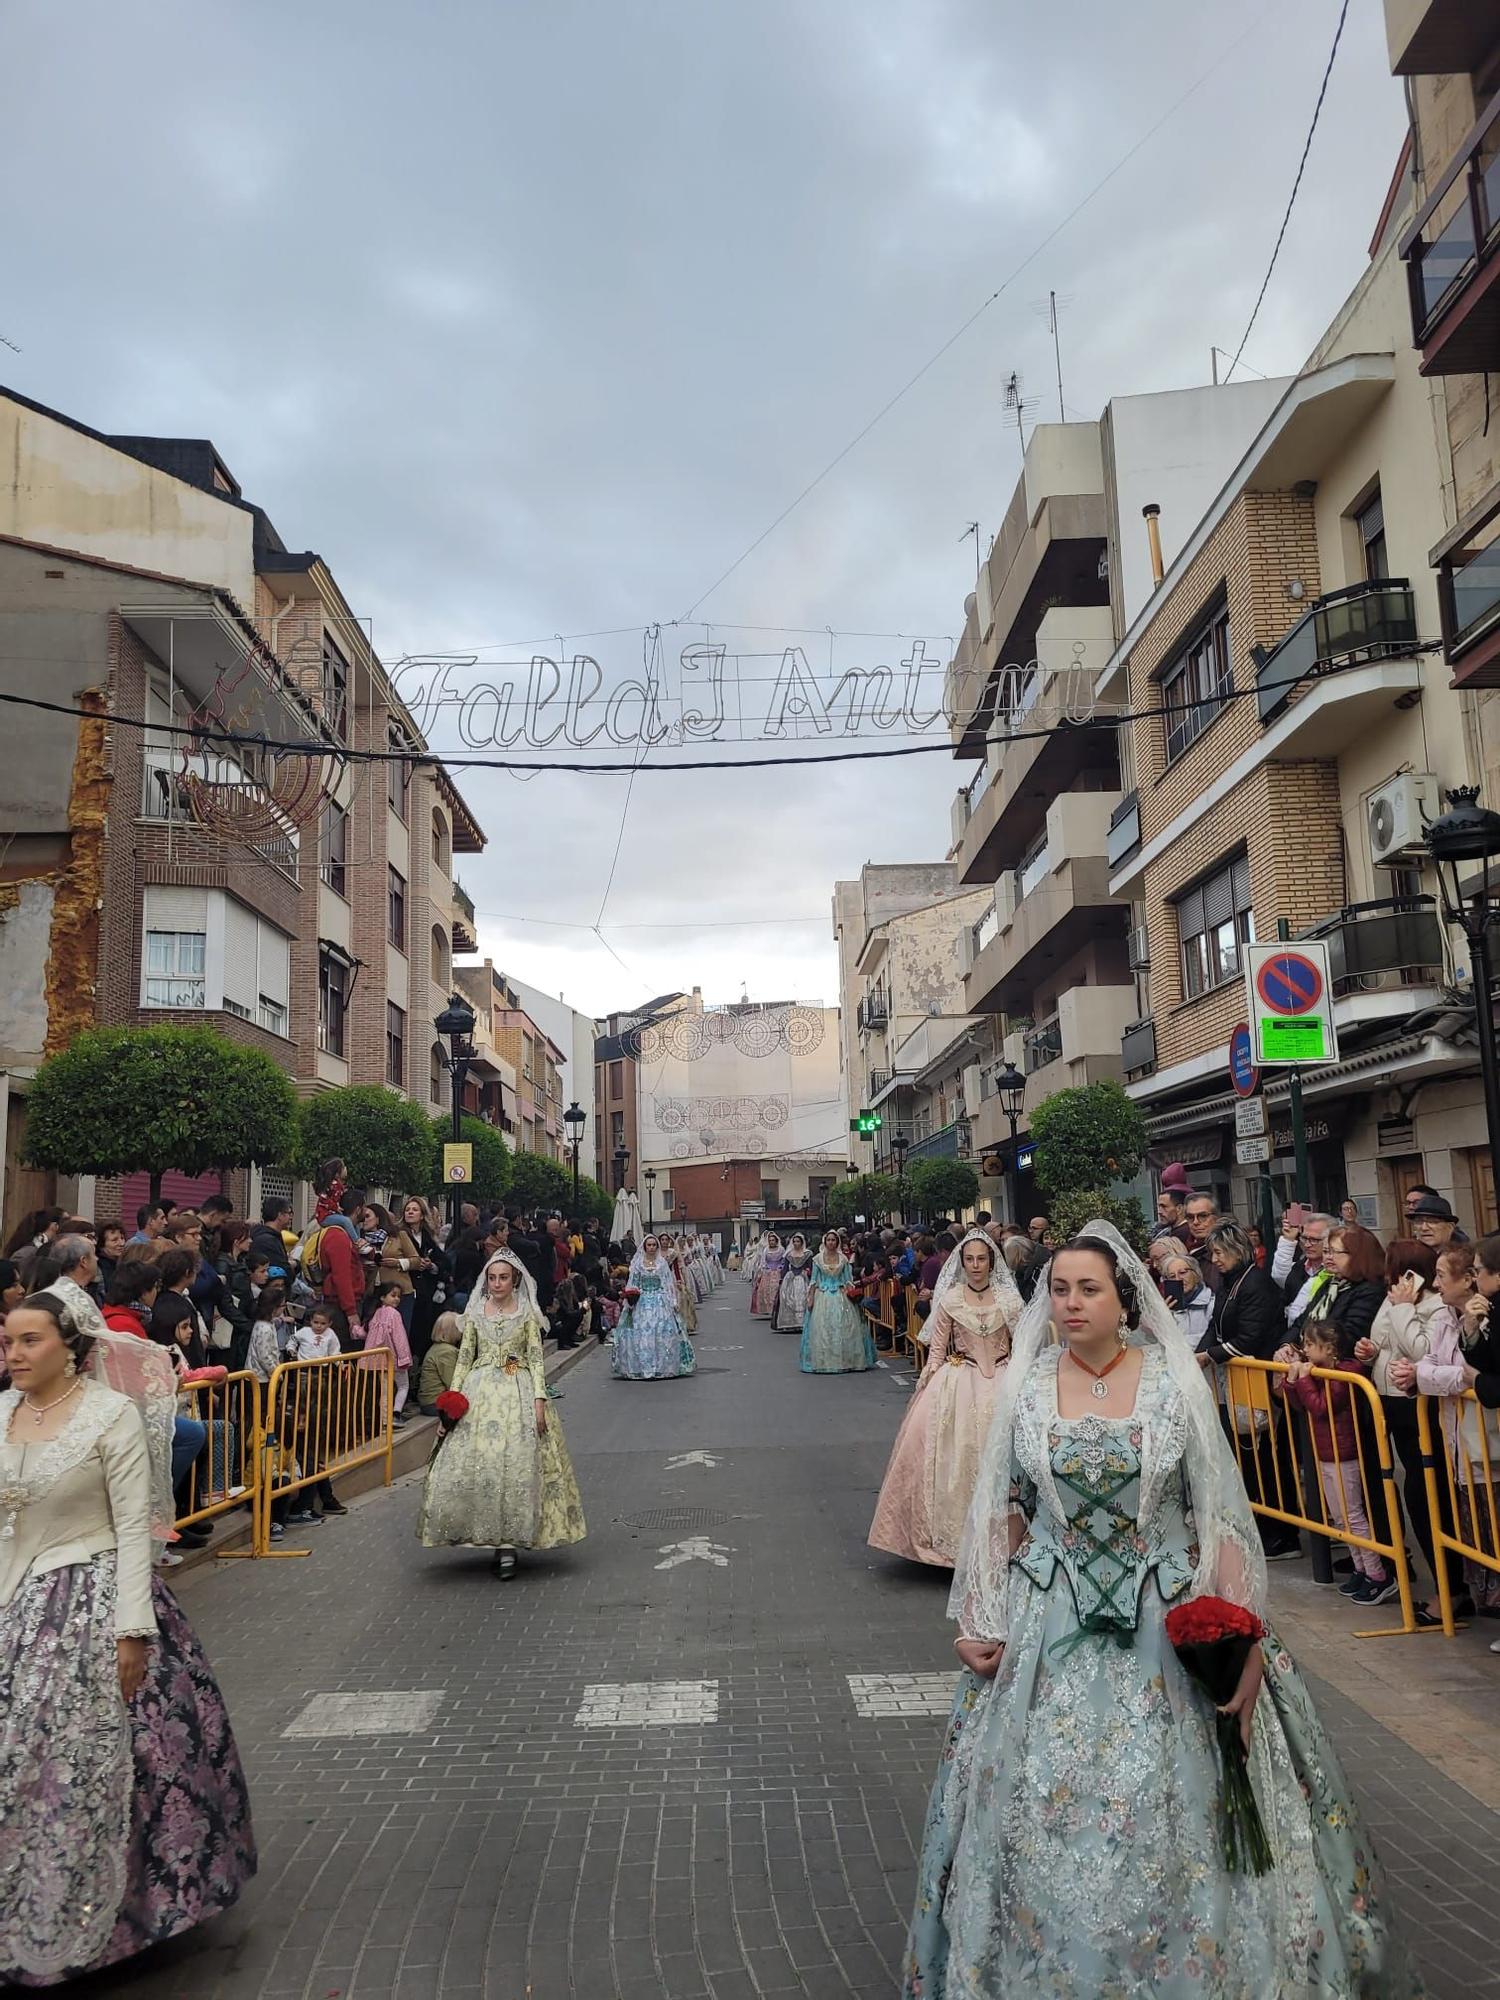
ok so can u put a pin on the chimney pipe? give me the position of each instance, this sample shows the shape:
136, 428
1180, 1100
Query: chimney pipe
1153, 534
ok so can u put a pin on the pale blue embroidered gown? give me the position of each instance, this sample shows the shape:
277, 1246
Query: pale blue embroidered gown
836, 1336
1070, 1848
650, 1343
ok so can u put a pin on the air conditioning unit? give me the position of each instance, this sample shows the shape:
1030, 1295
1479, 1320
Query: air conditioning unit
1140, 949
1398, 814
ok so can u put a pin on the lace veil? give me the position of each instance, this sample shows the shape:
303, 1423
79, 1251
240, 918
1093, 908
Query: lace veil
662, 1269
143, 1371
525, 1291
1231, 1563
1001, 1280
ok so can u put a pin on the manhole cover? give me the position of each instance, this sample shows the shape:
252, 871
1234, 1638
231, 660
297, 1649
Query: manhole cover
677, 1517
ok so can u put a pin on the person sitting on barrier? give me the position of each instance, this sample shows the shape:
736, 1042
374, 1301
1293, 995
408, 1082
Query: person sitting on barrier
380, 1325
315, 1341
1330, 1408
439, 1362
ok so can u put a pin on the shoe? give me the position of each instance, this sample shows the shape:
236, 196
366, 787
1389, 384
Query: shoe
304, 1520
194, 1538
1350, 1585
277, 1531
505, 1564
1495, 1645
333, 1507
168, 1559
1383, 1590
1367, 1593
1289, 1553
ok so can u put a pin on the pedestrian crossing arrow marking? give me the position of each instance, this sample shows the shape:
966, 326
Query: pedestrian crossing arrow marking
685, 1458
697, 1548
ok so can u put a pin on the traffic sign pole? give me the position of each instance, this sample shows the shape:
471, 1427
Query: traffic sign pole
1299, 1123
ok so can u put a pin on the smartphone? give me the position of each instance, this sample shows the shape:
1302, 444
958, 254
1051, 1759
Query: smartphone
1295, 1214
1416, 1277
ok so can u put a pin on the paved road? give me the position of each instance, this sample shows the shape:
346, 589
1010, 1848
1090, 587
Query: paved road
689, 1758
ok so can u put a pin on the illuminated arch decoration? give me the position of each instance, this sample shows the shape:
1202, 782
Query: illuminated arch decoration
750, 1031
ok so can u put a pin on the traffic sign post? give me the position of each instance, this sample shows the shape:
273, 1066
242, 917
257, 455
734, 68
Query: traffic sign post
458, 1164
1290, 998
1243, 1073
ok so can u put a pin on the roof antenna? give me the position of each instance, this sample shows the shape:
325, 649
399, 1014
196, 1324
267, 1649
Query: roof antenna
1017, 408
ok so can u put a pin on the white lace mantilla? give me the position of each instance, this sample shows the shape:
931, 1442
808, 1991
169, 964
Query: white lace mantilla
97, 1410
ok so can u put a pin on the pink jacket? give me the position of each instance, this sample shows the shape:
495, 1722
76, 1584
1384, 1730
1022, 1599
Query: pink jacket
1440, 1372
385, 1330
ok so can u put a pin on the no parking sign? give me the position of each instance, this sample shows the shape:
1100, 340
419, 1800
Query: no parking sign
1290, 1000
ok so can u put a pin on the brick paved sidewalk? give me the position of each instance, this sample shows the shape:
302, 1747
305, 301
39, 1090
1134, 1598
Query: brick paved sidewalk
690, 1758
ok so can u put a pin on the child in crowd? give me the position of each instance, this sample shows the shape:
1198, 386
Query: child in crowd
316, 1340
380, 1325
329, 1181
439, 1361
271, 1336
1330, 1410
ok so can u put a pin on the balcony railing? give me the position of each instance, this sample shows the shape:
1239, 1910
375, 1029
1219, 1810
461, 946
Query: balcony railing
1043, 1045
871, 1012
1444, 260
939, 1145
1368, 621
1124, 830
879, 1078
1138, 1048
464, 901
1383, 946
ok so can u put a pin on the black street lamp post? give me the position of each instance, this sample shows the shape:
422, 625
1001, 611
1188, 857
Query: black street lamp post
622, 1161
1469, 832
649, 1177
455, 1026
1010, 1088
575, 1118
899, 1145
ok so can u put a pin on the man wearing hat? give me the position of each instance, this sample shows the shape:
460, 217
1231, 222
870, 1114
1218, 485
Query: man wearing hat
1433, 1221
1175, 1189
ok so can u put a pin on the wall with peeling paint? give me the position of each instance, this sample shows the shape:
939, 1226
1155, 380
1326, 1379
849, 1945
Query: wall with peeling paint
25, 929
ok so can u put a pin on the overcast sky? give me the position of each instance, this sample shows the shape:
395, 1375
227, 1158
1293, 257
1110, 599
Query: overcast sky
530, 318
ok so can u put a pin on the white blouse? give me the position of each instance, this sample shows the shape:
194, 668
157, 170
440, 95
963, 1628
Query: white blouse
76, 1496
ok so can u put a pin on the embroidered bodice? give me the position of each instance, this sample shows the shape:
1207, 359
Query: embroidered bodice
511, 1343
773, 1260
1105, 1499
650, 1281
968, 1331
835, 1280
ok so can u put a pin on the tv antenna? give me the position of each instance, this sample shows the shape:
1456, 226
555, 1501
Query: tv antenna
1018, 407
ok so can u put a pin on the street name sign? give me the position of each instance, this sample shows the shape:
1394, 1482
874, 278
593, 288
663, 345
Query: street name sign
1290, 997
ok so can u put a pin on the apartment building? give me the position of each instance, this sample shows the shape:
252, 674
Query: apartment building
526, 1057
617, 1140
137, 580
1046, 954
1448, 54
1304, 729
572, 1033
907, 1038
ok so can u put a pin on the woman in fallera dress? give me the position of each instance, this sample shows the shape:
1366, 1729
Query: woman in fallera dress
924, 1498
124, 1818
836, 1336
1072, 1845
796, 1287
501, 1479
687, 1310
767, 1284
651, 1343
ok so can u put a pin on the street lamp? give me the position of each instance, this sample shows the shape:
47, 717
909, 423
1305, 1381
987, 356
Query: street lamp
1010, 1088
455, 1026
899, 1145
622, 1161
575, 1118
649, 1177
1470, 832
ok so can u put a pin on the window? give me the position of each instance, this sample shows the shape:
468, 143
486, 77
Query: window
271, 1014
398, 778
1369, 522
617, 1079
1214, 921
396, 899
334, 847
439, 956
335, 689
395, 1044
770, 1193
435, 1074
440, 843
175, 964
1194, 686
1033, 869
616, 1130
333, 1001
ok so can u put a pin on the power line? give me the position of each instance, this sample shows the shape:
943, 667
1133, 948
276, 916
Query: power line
979, 312
1296, 184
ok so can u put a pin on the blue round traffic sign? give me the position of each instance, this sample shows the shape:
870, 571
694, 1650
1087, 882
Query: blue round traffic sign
1242, 1071
1290, 983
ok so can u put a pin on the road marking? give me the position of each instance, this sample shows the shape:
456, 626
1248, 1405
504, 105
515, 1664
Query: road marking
901, 1694
685, 1458
395, 1712
647, 1704
697, 1548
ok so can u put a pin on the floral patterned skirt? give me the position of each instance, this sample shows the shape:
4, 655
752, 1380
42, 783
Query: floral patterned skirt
119, 1827
492, 1482
934, 1464
836, 1336
1071, 1846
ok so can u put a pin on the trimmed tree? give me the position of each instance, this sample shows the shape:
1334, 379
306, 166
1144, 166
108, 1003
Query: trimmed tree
491, 1158
384, 1140
594, 1205
537, 1182
942, 1187
871, 1195
156, 1100
1086, 1141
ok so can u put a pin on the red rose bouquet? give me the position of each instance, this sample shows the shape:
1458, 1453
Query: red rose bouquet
854, 1292
451, 1407
632, 1294
1212, 1638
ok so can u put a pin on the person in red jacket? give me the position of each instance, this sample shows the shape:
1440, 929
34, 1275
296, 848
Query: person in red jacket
1330, 1411
343, 1270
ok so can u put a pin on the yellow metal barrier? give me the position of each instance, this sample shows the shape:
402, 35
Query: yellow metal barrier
1463, 1505
322, 1418
1288, 1483
912, 1329
226, 1473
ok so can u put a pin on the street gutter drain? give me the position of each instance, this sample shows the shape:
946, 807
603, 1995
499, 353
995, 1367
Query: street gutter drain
674, 1519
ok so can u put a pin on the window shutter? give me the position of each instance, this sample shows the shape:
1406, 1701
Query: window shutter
1242, 883
170, 909
241, 978
1218, 900
275, 964
1190, 914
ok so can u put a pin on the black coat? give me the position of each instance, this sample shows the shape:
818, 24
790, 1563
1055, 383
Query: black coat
266, 1242
1249, 1321
1351, 1311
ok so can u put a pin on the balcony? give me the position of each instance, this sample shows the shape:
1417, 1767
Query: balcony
1124, 834
1043, 1045
1438, 37
878, 1080
940, 1145
1060, 905
871, 1013
1468, 563
1388, 946
1138, 1049
465, 936
1452, 253
1366, 622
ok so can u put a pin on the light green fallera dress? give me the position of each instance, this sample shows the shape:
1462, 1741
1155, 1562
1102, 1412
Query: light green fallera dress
1071, 1849
492, 1482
